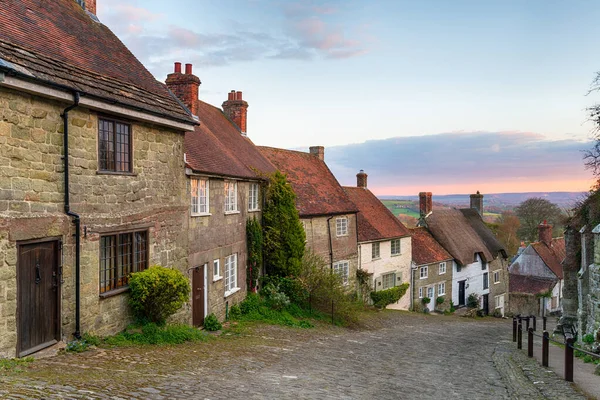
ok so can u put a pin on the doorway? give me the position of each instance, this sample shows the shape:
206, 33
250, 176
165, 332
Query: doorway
199, 295
461, 293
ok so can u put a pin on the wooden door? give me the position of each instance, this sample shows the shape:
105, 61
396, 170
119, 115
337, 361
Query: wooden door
486, 304
461, 293
199, 295
38, 301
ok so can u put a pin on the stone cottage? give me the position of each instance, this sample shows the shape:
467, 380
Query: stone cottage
480, 266
92, 175
326, 212
384, 243
223, 191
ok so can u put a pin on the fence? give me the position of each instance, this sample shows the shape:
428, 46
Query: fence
569, 340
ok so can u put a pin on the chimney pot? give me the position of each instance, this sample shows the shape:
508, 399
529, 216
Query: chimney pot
545, 233
236, 110
188, 69
361, 179
318, 151
178, 67
425, 204
185, 87
477, 202
238, 95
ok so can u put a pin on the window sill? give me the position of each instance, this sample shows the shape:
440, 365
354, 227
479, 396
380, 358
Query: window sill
442, 273
231, 212
346, 235
495, 283
376, 258
201, 215
423, 277
395, 255
257, 210
217, 278
232, 291
114, 292
116, 173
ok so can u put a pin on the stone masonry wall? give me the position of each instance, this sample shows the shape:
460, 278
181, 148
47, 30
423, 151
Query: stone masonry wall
499, 288
433, 279
153, 198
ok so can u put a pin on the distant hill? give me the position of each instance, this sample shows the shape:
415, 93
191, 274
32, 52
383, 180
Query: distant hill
501, 200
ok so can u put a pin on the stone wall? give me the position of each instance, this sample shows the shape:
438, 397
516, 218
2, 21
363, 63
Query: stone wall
524, 304
433, 279
153, 198
499, 288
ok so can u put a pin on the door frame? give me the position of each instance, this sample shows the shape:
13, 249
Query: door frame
58, 316
204, 280
464, 292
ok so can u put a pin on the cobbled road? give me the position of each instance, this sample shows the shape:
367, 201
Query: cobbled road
395, 355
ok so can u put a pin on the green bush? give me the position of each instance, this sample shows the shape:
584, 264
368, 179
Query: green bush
439, 300
383, 298
211, 323
276, 299
250, 304
152, 334
254, 240
426, 300
235, 312
589, 338
157, 293
452, 307
473, 301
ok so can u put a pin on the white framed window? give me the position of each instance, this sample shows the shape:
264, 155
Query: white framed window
486, 280
441, 288
395, 247
424, 272
253, 197
420, 292
375, 250
499, 301
431, 292
231, 274
343, 269
216, 270
496, 277
341, 226
199, 196
442, 268
231, 196
388, 280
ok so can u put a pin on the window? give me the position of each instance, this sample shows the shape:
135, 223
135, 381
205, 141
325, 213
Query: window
458, 268
230, 196
389, 280
375, 251
442, 268
424, 272
343, 269
120, 255
441, 288
496, 277
199, 191
483, 265
431, 292
486, 280
230, 274
114, 146
341, 226
420, 292
395, 247
499, 301
216, 270
253, 197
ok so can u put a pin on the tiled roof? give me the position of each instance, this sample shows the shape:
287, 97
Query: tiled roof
425, 249
375, 221
217, 147
317, 190
58, 43
530, 284
552, 255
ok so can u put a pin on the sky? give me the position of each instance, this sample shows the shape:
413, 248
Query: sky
443, 96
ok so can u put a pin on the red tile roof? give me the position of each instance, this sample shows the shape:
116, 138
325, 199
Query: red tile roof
375, 221
425, 249
317, 190
57, 42
552, 255
530, 284
217, 147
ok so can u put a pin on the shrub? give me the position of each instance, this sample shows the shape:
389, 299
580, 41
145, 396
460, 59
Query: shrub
439, 300
157, 293
250, 304
254, 240
383, 298
275, 298
452, 307
211, 323
235, 312
589, 338
426, 300
473, 301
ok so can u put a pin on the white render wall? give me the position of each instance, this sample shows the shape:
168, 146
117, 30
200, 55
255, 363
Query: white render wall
473, 274
400, 264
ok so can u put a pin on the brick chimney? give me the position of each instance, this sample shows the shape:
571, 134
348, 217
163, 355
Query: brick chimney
185, 86
477, 202
361, 179
236, 110
318, 151
90, 5
545, 233
425, 204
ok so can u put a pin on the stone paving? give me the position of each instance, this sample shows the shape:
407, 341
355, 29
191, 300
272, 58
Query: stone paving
396, 356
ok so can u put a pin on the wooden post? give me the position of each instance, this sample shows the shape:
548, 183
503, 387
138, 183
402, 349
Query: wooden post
514, 329
534, 322
520, 336
545, 348
569, 359
527, 319
544, 322
530, 342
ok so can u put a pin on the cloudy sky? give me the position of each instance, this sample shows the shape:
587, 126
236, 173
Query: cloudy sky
447, 96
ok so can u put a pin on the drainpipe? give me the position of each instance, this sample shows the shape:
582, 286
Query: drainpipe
75, 216
330, 243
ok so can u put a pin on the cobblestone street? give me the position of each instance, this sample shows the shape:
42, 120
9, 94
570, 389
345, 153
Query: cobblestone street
400, 356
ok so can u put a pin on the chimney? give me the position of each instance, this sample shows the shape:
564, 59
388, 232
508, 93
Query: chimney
477, 202
318, 151
361, 179
236, 110
425, 204
90, 5
185, 86
545, 233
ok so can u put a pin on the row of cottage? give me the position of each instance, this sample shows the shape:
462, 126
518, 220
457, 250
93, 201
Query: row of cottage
105, 171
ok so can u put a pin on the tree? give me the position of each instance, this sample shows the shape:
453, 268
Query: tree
508, 226
533, 212
284, 237
591, 158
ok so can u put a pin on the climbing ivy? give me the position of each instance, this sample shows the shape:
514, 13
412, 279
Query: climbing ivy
254, 239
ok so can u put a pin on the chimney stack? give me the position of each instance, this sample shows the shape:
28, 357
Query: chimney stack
477, 202
185, 86
236, 110
545, 233
425, 204
318, 151
361, 179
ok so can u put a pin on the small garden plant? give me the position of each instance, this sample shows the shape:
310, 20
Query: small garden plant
211, 323
383, 298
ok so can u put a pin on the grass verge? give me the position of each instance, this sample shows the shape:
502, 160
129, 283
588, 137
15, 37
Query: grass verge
14, 364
